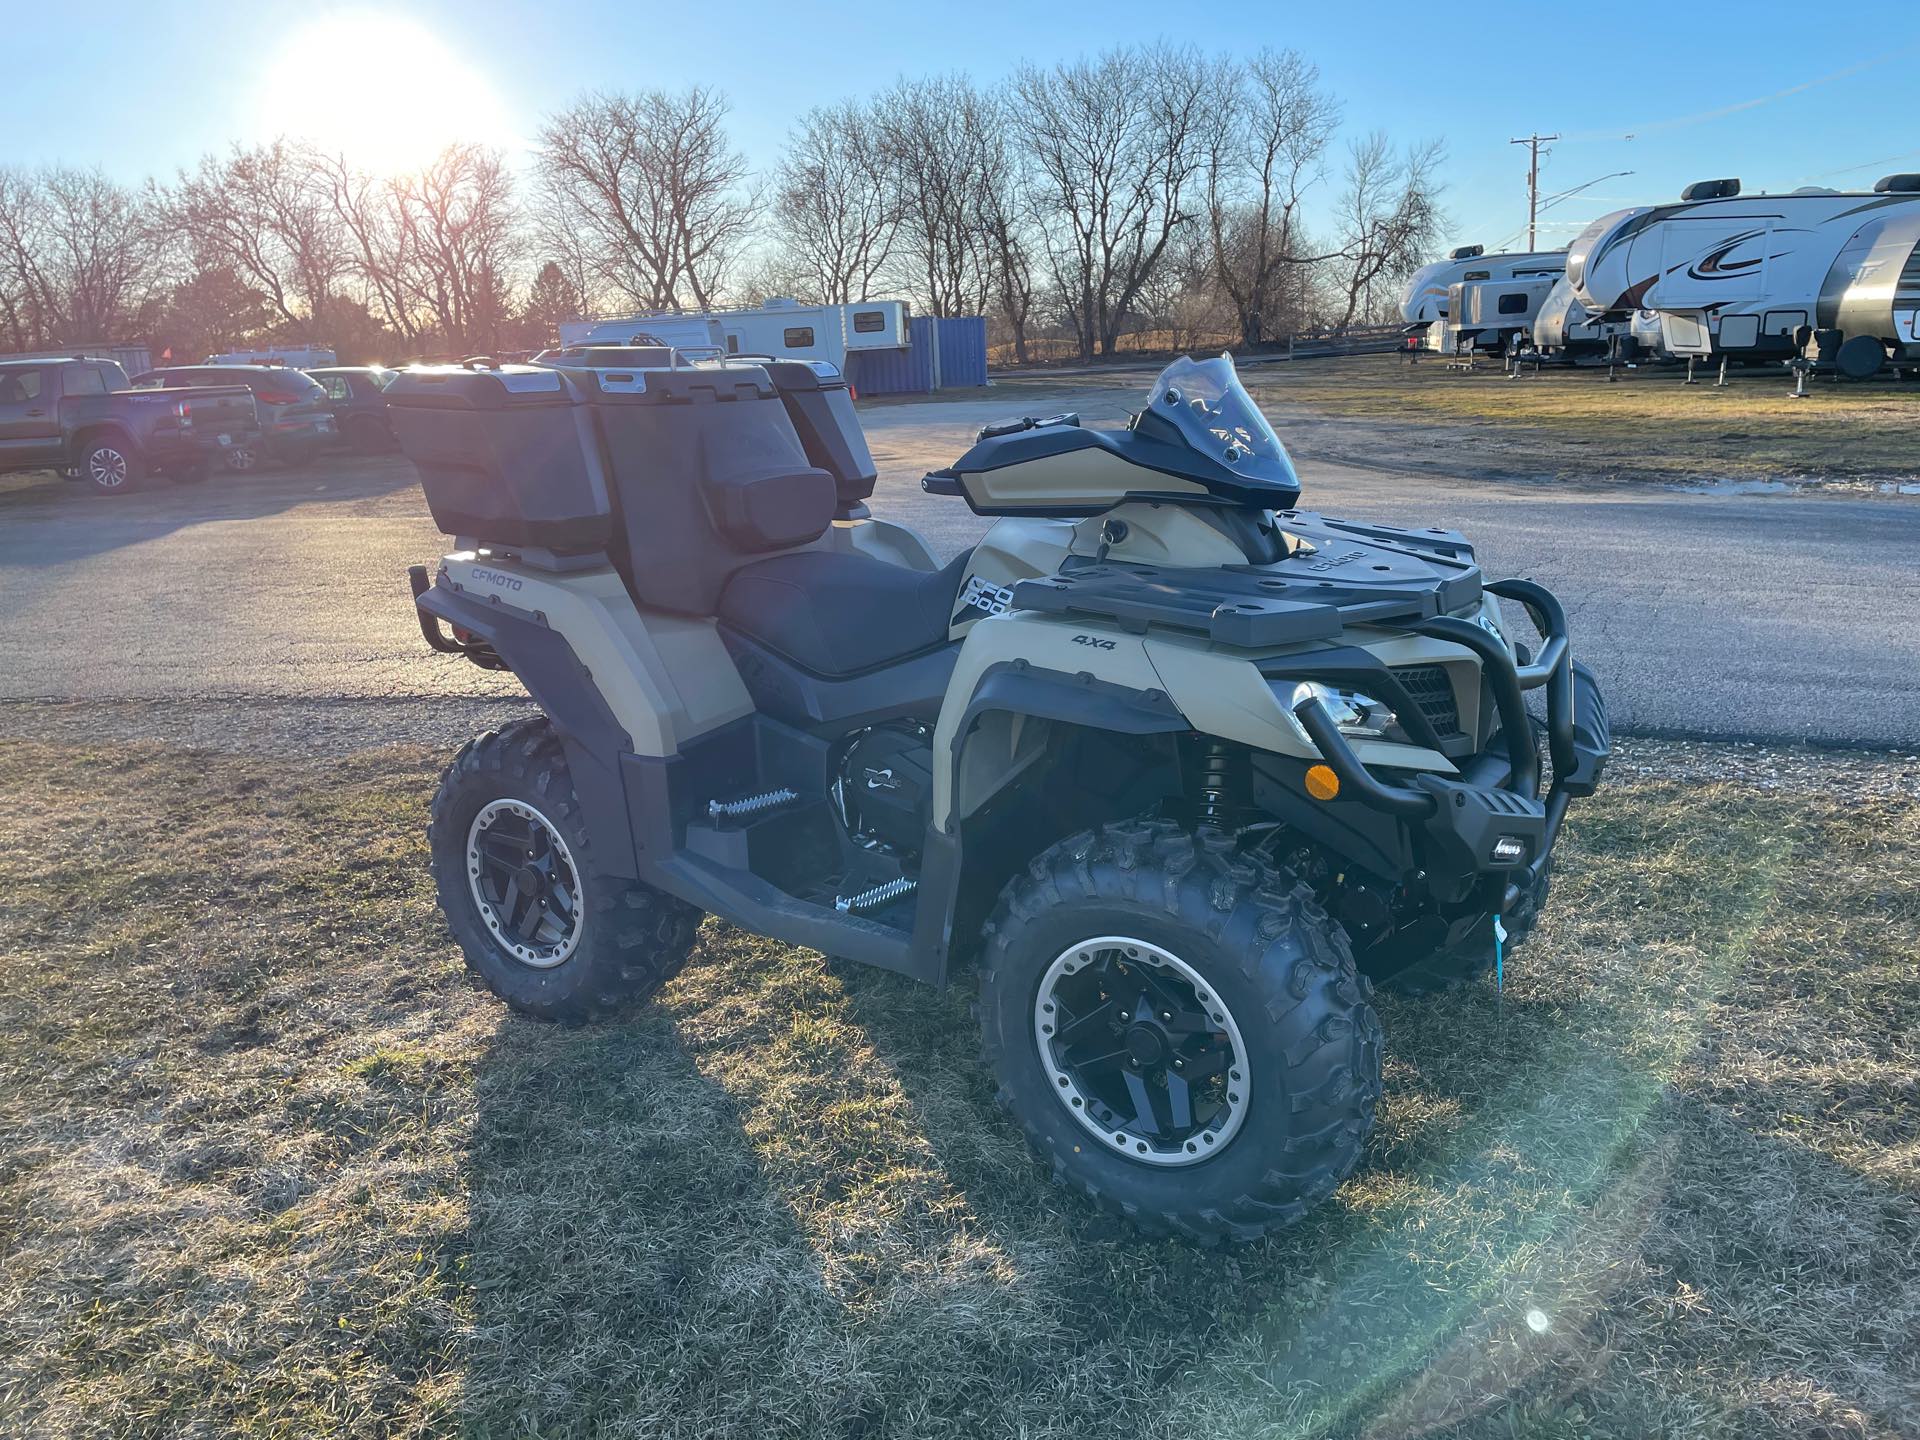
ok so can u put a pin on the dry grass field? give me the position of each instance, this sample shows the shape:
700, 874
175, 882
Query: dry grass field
1377, 410
270, 1165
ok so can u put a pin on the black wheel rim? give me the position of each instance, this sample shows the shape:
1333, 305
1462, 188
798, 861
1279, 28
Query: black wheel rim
524, 883
1141, 1051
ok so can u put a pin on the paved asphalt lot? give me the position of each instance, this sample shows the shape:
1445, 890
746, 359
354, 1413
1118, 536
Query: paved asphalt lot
1763, 617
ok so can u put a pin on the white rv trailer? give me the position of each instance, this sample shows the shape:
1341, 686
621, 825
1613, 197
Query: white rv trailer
692, 334
1565, 329
787, 330
1426, 298
294, 357
780, 329
1739, 275
1490, 314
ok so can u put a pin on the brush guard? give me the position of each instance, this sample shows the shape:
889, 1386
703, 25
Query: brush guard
1476, 828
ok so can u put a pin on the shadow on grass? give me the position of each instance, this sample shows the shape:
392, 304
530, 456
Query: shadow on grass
1551, 1234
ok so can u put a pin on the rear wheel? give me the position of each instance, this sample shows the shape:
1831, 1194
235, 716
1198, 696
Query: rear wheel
111, 466
1180, 1031
514, 867
242, 458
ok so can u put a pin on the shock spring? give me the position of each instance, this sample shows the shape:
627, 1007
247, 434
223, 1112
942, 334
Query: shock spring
1222, 785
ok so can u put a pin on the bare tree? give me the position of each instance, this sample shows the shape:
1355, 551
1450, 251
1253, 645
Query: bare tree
377, 237
23, 285
1262, 163
935, 136
457, 224
1006, 215
265, 214
1388, 215
79, 256
834, 207
652, 190
1116, 142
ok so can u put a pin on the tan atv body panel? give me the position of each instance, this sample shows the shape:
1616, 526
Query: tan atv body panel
1024, 548
1219, 691
666, 678
1068, 481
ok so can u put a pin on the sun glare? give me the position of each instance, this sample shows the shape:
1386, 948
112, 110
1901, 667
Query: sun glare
386, 92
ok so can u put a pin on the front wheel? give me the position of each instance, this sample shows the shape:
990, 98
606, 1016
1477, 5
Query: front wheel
1180, 1031
242, 458
514, 867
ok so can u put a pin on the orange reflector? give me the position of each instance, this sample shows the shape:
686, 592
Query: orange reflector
1322, 783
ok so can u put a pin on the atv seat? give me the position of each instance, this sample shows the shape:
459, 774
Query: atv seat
837, 614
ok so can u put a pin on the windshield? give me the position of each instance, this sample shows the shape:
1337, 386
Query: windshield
1205, 402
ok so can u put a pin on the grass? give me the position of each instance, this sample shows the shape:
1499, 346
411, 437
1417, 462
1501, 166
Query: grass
270, 1165
1646, 424
1377, 410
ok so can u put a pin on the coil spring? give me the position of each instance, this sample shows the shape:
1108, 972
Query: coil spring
752, 805
1221, 786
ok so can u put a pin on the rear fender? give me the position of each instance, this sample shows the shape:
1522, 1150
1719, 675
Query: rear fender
590, 735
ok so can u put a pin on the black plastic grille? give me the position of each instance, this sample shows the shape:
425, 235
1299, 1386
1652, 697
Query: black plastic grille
1432, 690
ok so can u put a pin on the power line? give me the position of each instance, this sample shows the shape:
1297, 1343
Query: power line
1533, 144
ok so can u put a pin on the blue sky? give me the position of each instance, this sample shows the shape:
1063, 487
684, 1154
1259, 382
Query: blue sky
1772, 92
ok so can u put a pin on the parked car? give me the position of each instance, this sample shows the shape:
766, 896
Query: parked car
296, 418
81, 416
359, 407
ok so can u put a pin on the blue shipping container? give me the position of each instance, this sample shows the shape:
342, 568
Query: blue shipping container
940, 354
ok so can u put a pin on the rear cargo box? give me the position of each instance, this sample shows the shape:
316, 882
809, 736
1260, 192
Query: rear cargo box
707, 473
821, 408
507, 456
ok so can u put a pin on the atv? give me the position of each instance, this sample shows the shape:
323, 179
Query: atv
1180, 768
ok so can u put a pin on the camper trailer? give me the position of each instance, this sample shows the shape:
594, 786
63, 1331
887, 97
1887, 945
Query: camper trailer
296, 357
1565, 330
1740, 276
1426, 302
787, 330
780, 329
694, 335
1490, 314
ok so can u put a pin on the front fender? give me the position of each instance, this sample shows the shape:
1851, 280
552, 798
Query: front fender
1020, 666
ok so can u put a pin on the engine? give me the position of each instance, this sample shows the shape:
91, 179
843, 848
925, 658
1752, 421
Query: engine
884, 786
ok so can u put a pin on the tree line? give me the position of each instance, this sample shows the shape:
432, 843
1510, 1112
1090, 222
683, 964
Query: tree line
1146, 188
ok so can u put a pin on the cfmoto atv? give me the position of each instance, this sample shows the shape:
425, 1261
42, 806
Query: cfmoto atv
1178, 768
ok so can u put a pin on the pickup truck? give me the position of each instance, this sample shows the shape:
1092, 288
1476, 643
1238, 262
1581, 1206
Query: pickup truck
81, 416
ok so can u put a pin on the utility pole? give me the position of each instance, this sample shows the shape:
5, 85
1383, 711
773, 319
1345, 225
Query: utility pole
1533, 144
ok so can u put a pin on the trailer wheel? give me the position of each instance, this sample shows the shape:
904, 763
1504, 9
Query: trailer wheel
1180, 1031
514, 869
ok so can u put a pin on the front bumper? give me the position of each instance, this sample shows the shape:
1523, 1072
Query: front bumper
1475, 833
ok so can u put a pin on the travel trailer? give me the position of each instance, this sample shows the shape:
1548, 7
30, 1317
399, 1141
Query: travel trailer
1565, 330
1741, 276
784, 329
296, 357
1491, 314
1426, 299
780, 329
692, 335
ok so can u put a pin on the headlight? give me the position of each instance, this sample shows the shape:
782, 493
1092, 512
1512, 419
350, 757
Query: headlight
1357, 716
